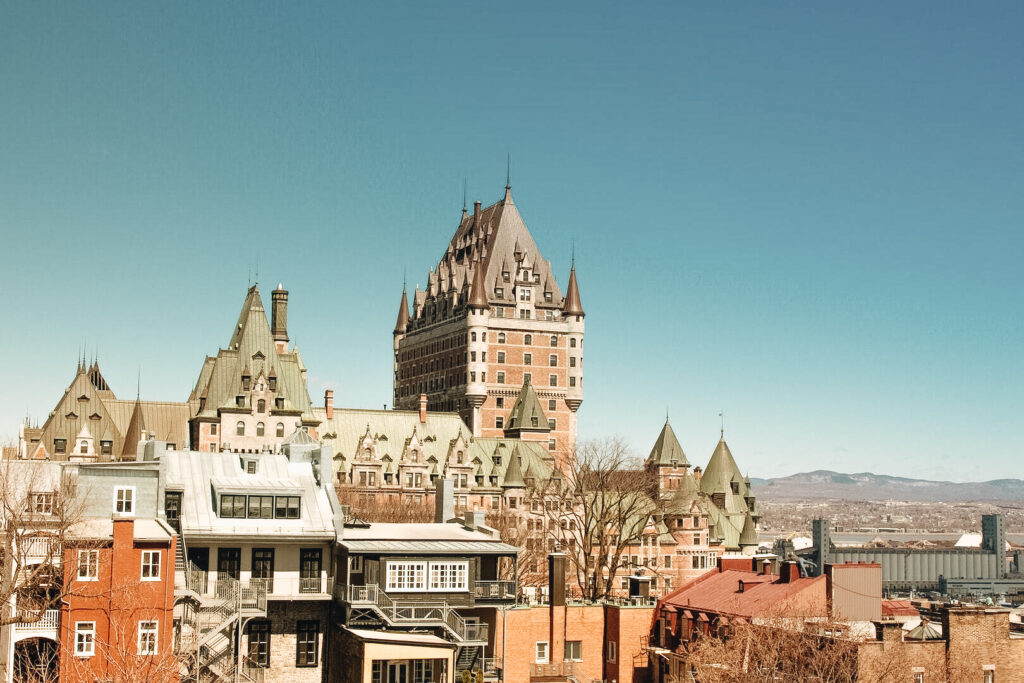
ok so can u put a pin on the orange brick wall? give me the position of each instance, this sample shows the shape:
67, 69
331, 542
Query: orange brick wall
117, 601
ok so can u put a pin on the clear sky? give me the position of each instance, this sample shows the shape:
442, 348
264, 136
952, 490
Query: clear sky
807, 216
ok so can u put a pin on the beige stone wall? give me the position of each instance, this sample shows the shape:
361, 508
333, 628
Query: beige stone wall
283, 617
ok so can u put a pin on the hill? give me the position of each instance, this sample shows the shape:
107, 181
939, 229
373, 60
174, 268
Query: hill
826, 484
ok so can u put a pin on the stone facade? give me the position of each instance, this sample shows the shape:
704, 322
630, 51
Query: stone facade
284, 618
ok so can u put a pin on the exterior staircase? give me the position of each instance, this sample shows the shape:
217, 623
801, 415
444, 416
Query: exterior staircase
431, 614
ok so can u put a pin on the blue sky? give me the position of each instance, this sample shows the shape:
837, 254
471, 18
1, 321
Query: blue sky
808, 216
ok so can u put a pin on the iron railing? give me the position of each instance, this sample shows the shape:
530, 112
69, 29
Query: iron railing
494, 590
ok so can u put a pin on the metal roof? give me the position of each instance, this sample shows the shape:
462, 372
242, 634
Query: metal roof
429, 547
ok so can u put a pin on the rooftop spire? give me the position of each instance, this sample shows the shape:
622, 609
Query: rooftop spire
478, 292
572, 305
403, 313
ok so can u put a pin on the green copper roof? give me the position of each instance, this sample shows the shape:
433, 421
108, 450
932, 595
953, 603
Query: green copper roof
667, 450
749, 534
527, 412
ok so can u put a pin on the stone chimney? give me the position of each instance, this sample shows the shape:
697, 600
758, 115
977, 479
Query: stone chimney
329, 403
476, 213
279, 318
473, 519
444, 501
789, 572
423, 408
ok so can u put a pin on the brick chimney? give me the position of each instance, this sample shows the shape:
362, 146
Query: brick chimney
789, 572
556, 579
444, 501
329, 403
423, 408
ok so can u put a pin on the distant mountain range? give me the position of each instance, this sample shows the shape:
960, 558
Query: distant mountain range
867, 486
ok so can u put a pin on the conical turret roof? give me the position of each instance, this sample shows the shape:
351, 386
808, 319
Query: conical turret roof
749, 534
721, 470
667, 450
478, 293
403, 315
572, 306
514, 473
526, 408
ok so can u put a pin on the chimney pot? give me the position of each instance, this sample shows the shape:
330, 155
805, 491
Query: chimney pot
423, 408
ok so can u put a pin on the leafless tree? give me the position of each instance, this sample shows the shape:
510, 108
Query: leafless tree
384, 506
603, 505
38, 508
513, 527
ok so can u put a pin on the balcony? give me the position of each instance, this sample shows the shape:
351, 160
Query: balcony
49, 621
404, 613
487, 591
39, 549
297, 587
555, 671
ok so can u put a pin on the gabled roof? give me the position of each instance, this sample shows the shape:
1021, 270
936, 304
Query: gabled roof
718, 592
667, 450
526, 408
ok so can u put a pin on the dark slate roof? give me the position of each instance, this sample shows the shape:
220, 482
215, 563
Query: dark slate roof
573, 306
403, 314
667, 450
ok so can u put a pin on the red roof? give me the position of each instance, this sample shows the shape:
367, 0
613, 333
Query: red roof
898, 608
718, 592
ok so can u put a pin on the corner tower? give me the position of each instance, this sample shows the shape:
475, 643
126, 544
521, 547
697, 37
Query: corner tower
491, 319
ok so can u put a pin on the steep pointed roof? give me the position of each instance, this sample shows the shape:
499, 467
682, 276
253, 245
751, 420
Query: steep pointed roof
667, 450
478, 293
573, 306
721, 470
403, 314
684, 495
525, 409
133, 434
514, 472
748, 536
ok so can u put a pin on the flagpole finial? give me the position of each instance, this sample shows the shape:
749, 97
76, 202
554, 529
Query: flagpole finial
508, 171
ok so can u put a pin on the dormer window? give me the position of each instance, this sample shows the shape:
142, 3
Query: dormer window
261, 406
245, 382
547, 296
273, 383
60, 445
83, 447
459, 457
240, 401
499, 291
279, 403
524, 294
505, 275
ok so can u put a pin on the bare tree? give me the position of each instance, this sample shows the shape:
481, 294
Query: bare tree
514, 528
38, 508
603, 505
385, 507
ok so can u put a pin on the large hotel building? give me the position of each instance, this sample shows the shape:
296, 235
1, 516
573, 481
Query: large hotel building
493, 319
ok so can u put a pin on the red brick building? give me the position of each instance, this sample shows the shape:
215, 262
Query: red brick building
117, 621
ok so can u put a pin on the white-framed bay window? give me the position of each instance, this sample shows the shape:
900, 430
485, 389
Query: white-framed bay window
407, 576
421, 576
449, 576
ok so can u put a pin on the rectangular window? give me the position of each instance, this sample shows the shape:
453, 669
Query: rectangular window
524, 313
263, 567
499, 422
552, 380
213, 430
60, 445
501, 378
124, 500
88, 565
406, 576
106, 447
499, 402
572, 381
574, 650
449, 576
42, 503
553, 360
259, 643
232, 506
499, 312
499, 291
572, 361
541, 652
147, 637
696, 539
261, 507
527, 377
85, 638
307, 643
527, 359
501, 356
668, 562
611, 651
150, 565
286, 507
551, 444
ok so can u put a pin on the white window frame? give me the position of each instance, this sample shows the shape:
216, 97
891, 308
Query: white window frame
541, 652
449, 577
92, 565
85, 638
148, 565
573, 659
149, 628
128, 502
407, 577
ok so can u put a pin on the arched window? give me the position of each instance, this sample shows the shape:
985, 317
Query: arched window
280, 429
572, 343
554, 340
261, 406
240, 429
473, 336
259, 429
84, 448
528, 339
501, 337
